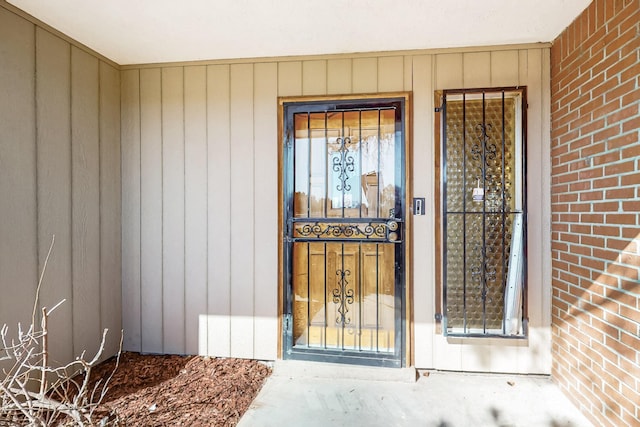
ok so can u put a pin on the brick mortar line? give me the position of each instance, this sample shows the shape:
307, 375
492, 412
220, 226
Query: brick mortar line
591, 316
621, 161
590, 123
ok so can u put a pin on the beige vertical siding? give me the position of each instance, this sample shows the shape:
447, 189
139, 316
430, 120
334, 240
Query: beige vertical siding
59, 175
151, 212
390, 74
110, 205
195, 200
210, 200
85, 199
449, 74
364, 75
266, 214
423, 226
505, 68
290, 78
54, 183
173, 195
243, 211
217, 317
339, 76
314, 77
18, 176
131, 225
539, 171
476, 69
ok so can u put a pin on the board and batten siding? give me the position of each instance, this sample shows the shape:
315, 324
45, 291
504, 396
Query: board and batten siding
200, 205
199, 201
59, 175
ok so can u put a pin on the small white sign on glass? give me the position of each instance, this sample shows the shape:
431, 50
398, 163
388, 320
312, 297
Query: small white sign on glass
478, 193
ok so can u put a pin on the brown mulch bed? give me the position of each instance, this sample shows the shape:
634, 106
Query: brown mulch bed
152, 390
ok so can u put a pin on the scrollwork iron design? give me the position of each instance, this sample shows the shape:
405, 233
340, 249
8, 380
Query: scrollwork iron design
342, 296
490, 148
344, 164
367, 230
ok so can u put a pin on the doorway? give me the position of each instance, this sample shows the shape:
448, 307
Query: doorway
344, 229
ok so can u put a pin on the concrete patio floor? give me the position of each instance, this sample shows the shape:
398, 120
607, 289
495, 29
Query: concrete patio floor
311, 394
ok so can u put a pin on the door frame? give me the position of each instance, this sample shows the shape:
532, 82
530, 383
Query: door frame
407, 352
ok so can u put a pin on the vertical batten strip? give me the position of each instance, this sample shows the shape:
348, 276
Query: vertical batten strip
130, 160
522, 67
100, 193
219, 211
139, 129
173, 214
70, 101
35, 153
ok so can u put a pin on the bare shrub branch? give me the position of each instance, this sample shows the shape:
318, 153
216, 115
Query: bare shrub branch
33, 392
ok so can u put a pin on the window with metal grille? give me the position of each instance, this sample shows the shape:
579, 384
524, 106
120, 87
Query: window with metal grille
484, 212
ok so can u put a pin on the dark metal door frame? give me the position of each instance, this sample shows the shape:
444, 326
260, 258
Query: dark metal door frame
400, 214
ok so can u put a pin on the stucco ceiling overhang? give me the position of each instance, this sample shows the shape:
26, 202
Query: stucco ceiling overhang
153, 31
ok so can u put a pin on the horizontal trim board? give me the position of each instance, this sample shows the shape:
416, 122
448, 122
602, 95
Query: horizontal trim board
355, 55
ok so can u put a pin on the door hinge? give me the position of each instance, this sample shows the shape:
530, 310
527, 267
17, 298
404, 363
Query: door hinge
286, 323
288, 236
440, 108
287, 140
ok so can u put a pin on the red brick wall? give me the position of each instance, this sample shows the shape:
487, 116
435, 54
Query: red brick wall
595, 93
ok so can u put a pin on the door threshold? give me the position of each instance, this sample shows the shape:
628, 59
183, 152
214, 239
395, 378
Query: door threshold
306, 369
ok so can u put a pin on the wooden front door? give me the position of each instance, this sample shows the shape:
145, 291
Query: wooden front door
344, 226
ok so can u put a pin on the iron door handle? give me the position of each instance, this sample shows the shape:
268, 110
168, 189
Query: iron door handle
393, 231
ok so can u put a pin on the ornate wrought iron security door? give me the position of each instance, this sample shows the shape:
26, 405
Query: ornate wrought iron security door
484, 212
344, 231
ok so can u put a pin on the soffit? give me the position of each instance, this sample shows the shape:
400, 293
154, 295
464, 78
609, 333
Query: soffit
156, 31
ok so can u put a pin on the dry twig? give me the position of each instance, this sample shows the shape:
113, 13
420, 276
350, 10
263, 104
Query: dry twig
34, 393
